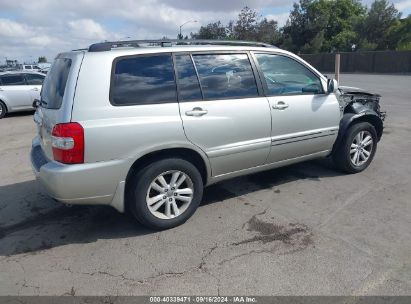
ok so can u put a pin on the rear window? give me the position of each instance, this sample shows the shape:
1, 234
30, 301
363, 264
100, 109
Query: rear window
55, 84
143, 80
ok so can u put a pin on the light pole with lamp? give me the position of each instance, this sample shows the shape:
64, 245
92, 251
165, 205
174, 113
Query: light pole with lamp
180, 35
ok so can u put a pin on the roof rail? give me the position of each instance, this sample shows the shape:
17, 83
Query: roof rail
107, 46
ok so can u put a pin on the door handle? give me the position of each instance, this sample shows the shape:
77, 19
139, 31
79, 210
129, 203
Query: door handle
280, 106
196, 112
1, 89
35, 89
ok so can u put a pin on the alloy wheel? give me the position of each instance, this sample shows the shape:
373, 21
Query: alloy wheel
170, 194
361, 148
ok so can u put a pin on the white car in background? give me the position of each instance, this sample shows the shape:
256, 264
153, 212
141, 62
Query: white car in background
18, 90
30, 67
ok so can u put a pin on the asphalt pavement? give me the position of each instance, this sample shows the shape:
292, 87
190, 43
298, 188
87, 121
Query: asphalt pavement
301, 230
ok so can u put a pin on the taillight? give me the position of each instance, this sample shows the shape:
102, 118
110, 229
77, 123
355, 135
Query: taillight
67, 141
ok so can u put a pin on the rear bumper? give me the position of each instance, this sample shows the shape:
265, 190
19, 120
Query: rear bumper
100, 183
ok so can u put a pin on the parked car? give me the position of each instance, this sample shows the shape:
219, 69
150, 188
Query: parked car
30, 67
144, 129
18, 90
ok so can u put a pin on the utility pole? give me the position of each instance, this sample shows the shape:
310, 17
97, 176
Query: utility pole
337, 67
181, 26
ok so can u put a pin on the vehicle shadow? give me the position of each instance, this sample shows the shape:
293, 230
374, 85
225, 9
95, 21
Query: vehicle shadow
18, 114
43, 223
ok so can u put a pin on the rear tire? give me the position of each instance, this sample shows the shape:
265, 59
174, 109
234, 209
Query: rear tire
3, 110
357, 148
165, 194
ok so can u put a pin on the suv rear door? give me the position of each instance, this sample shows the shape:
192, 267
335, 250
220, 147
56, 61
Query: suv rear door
305, 120
57, 97
222, 110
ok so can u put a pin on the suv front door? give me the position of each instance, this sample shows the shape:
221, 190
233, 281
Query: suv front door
222, 111
305, 120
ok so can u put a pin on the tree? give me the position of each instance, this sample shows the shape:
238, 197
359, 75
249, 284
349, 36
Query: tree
399, 34
380, 18
343, 19
267, 31
321, 25
303, 30
246, 26
42, 59
214, 30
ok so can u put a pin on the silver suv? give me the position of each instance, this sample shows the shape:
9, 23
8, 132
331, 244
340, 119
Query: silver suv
143, 126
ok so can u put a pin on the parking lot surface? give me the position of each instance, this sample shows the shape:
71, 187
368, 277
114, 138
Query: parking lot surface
301, 230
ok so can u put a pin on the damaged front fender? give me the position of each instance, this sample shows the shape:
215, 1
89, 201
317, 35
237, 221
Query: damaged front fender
354, 100
359, 105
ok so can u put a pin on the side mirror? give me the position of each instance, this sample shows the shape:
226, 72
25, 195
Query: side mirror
36, 103
332, 86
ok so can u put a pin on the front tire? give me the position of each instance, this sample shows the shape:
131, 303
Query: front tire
357, 149
3, 110
166, 193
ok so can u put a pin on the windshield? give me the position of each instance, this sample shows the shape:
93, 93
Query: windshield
55, 83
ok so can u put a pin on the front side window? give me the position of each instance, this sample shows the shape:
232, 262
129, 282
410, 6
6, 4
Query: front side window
285, 76
34, 79
143, 80
10, 80
224, 76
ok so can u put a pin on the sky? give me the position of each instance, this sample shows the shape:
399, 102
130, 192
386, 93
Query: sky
29, 29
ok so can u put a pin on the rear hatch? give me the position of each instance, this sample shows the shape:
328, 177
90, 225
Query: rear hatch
57, 96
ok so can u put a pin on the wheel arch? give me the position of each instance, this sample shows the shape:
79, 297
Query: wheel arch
349, 119
2, 100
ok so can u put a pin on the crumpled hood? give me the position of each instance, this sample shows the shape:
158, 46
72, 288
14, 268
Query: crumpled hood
354, 90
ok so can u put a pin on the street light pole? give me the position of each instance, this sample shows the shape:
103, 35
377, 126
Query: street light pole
181, 26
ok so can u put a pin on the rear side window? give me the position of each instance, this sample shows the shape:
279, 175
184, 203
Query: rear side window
55, 84
10, 80
34, 79
143, 80
188, 85
224, 76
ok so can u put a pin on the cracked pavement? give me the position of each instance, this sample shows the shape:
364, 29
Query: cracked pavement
301, 230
